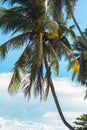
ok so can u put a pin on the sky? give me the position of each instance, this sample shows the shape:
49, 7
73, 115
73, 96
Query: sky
16, 112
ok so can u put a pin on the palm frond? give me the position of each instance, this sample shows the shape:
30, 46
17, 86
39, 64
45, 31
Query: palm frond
55, 9
79, 45
81, 55
39, 82
54, 60
20, 18
67, 44
66, 49
11, 19
85, 97
74, 66
82, 77
26, 85
38, 85
67, 31
70, 4
31, 66
15, 82
13, 43
24, 59
27, 91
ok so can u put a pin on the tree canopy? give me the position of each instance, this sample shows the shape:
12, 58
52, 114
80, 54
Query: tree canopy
39, 26
81, 122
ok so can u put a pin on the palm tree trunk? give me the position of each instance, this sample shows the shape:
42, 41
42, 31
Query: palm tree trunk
57, 102
70, 10
59, 108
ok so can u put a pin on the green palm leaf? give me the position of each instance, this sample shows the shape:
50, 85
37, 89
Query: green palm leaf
15, 82
54, 60
13, 43
10, 19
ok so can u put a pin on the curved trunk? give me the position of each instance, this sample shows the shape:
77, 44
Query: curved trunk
70, 10
59, 108
57, 102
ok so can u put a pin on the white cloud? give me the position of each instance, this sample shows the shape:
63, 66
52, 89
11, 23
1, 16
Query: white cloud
64, 85
21, 125
54, 118
4, 80
69, 92
71, 98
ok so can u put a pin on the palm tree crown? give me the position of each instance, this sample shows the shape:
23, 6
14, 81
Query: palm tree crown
43, 38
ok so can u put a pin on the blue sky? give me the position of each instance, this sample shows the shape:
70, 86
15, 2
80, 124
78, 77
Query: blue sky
18, 113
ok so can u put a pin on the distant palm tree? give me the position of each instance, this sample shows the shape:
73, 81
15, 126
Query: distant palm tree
80, 43
44, 35
81, 122
81, 57
70, 7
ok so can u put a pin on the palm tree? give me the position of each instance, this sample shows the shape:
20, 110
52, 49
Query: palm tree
81, 57
81, 122
80, 43
70, 7
45, 42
